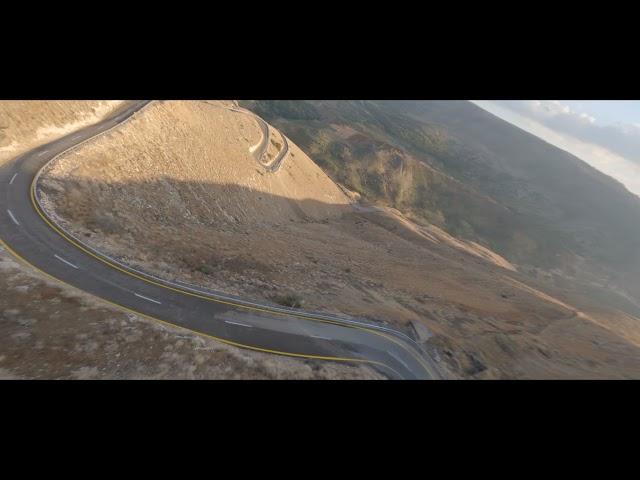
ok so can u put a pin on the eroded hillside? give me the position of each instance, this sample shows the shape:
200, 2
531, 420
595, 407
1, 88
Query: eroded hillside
452, 164
28, 123
177, 191
52, 331
189, 163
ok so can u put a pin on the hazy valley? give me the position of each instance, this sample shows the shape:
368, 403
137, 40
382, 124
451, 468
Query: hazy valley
503, 256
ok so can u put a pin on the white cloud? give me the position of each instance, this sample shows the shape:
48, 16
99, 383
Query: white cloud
588, 118
622, 139
614, 150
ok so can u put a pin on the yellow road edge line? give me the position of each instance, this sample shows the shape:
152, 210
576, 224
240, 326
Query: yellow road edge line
203, 297
54, 227
215, 300
202, 334
158, 284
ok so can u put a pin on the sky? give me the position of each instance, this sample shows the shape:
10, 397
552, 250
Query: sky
603, 133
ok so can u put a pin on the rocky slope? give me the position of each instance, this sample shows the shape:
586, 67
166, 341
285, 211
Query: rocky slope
51, 331
178, 192
479, 178
25, 124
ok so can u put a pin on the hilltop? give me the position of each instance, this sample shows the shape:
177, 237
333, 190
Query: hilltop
454, 165
352, 222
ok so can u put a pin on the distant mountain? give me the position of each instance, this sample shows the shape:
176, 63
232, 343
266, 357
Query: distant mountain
457, 166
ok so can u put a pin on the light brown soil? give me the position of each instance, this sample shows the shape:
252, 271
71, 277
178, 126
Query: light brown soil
48, 330
177, 193
25, 124
52, 331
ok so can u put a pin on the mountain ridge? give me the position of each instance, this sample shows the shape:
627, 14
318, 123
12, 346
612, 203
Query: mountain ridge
556, 211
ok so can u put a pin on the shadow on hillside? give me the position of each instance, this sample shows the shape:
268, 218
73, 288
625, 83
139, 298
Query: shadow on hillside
142, 213
174, 202
204, 230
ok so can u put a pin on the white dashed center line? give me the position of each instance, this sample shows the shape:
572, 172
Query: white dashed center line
43, 152
147, 298
13, 218
320, 338
65, 261
13, 178
239, 324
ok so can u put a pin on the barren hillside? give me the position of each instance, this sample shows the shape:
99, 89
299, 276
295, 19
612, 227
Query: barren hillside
52, 331
479, 178
25, 124
189, 163
177, 191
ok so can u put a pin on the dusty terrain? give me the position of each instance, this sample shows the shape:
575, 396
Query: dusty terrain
48, 330
52, 331
25, 124
177, 192
479, 178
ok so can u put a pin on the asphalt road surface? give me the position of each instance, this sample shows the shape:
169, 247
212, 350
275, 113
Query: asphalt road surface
261, 150
27, 233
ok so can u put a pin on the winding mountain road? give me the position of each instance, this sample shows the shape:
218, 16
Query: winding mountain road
27, 233
261, 149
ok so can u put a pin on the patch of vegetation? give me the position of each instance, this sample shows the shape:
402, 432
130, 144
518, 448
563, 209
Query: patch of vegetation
288, 300
276, 144
452, 164
205, 269
291, 109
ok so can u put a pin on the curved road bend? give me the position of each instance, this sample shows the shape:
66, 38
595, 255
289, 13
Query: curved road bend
26, 234
261, 151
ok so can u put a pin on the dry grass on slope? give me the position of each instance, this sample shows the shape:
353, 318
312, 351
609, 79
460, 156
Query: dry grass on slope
189, 162
51, 331
25, 124
177, 192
